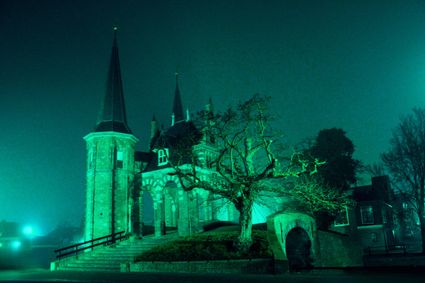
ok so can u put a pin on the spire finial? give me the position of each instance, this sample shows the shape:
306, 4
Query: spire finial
115, 29
177, 77
177, 104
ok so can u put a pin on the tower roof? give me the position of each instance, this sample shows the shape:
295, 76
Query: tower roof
177, 104
112, 115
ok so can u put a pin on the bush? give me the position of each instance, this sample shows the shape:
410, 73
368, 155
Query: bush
207, 246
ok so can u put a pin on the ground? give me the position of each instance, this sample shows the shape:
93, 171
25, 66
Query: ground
40, 275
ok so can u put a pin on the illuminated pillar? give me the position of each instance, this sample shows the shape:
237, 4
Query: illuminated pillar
183, 218
159, 216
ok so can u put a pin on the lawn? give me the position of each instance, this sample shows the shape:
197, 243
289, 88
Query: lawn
211, 245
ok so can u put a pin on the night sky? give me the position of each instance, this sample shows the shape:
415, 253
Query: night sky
357, 65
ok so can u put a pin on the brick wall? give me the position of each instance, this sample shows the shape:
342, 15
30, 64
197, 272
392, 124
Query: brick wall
258, 266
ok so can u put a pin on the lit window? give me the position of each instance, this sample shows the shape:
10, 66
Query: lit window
120, 158
341, 218
162, 157
366, 214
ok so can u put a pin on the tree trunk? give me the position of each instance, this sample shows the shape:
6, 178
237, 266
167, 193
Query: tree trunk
422, 226
421, 216
245, 220
422, 223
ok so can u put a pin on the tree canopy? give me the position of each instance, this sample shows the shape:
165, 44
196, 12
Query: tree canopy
336, 149
248, 163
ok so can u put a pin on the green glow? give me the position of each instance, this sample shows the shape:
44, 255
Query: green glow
16, 245
28, 231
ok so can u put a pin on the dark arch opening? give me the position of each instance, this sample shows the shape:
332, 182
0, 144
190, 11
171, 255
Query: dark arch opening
147, 213
298, 250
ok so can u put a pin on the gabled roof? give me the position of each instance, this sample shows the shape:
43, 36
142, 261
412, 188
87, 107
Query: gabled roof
112, 115
179, 139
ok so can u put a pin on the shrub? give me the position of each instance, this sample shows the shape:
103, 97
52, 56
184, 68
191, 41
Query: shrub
207, 246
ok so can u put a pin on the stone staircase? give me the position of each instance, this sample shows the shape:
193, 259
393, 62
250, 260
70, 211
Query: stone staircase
109, 258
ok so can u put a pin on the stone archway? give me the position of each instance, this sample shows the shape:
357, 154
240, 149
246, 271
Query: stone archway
292, 226
298, 249
148, 213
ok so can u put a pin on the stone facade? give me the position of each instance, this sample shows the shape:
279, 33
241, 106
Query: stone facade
110, 174
326, 248
185, 211
118, 174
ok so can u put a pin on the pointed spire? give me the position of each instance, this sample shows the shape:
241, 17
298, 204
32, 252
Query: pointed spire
177, 104
209, 106
112, 115
154, 127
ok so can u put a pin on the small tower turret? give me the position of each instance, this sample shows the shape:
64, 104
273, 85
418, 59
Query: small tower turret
154, 127
177, 114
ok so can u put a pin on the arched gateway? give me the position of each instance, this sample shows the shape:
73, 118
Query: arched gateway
292, 237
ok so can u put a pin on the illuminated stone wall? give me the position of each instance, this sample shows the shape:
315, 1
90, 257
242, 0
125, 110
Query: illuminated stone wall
114, 202
185, 211
109, 180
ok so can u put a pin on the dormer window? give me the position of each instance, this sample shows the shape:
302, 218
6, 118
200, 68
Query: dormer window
162, 157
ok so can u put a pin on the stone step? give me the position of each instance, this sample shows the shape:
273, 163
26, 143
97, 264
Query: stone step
93, 264
119, 253
109, 258
120, 259
124, 249
85, 268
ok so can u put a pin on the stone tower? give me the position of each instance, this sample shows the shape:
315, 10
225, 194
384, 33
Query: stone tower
110, 161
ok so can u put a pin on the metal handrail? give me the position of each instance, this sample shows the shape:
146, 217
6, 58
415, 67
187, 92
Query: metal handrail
90, 244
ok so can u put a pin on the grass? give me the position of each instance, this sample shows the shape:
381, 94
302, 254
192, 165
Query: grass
212, 245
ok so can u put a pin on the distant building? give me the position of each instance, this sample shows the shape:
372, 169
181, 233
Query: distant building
371, 218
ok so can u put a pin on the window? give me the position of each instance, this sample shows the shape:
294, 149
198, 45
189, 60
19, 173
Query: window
374, 237
119, 160
208, 160
162, 157
366, 214
91, 158
342, 219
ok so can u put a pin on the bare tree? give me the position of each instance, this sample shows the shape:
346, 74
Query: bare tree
314, 197
375, 169
249, 161
406, 161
